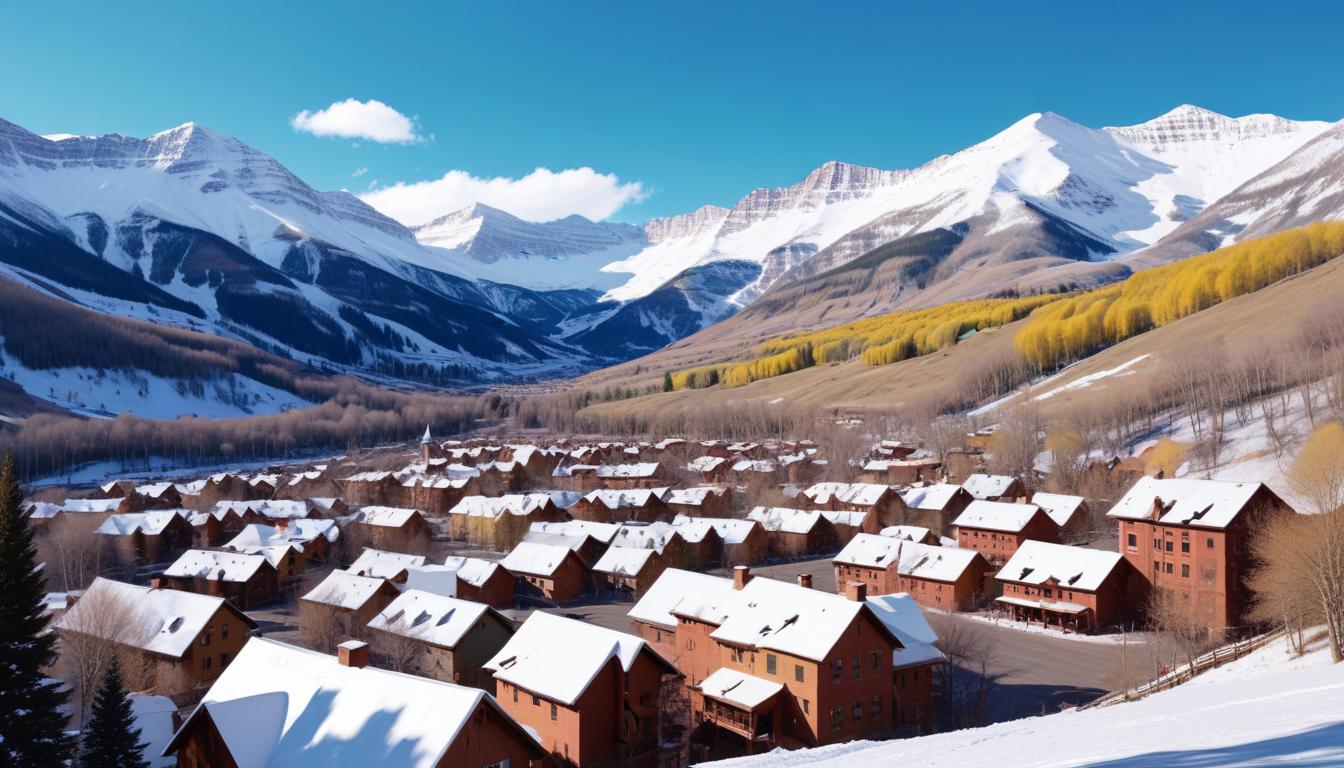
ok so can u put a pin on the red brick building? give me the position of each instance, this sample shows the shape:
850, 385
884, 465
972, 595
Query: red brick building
1073, 588
1194, 537
996, 529
946, 578
591, 694
549, 571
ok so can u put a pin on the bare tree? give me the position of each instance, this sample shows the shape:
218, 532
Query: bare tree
965, 680
72, 551
1017, 441
104, 625
394, 647
1281, 581
1177, 618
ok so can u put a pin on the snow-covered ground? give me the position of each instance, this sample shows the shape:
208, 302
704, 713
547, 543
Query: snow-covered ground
159, 469
1110, 638
1268, 709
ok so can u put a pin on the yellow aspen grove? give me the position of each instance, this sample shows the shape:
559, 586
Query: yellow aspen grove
1080, 325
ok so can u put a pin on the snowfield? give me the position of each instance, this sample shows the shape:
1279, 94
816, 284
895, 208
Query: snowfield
1267, 709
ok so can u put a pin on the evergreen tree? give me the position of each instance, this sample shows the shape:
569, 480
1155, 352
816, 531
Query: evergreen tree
111, 739
667, 381
32, 727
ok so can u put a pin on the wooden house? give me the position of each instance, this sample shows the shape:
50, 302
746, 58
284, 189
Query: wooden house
700, 501
794, 533
994, 487
348, 600
139, 537
643, 505
483, 581
549, 571
935, 506
743, 542
441, 637
996, 529
242, 579
498, 523
396, 529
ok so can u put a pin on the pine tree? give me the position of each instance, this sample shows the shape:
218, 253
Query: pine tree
32, 727
111, 739
667, 381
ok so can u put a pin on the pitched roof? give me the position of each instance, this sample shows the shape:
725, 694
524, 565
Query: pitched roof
785, 519
996, 516
494, 506
624, 561
643, 469
925, 561
870, 551
392, 517
297, 532
382, 564
861, 494
472, 570
278, 706
1036, 562
731, 530
558, 658
150, 523
536, 558
988, 486
903, 618
738, 688
435, 619
655, 536
788, 618
435, 579
343, 589
171, 618
1186, 501
603, 532
685, 592
936, 496
216, 566
693, 497
907, 532
1060, 507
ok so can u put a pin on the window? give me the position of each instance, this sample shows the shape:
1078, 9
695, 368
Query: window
555, 712
206, 662
1132, 540
224, 630
837, 670
1170, 544
1156, 565
1209, 542
739, 655
1185, 570
536, 701
837, 717
1167, 567
857, 665
798, 672
875, 660
515, 695
1185, 547
857, 710
877, 705
205, 637
806, 707
770, 663
223, 660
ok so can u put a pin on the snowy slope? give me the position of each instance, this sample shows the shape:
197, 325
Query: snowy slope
1267, 709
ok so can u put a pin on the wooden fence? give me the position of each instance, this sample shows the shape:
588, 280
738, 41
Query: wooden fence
1211, 660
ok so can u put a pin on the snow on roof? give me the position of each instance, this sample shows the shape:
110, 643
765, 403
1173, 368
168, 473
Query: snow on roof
1060, 507
785, 519
936, 496
853, 519
435, 619
655, 536
1186, 501
704, 463
731, 530
279, 706
91, 505
619, 499
343, 589
603, 532
391, 517
153, 490
642, 469
738, 688
624, 561
171, 618
298, 532
488, 506
693, 497
1036, 562
788, 618
383, 564
924, 561
996, 516
369, 477
535, 558
988, 486
558, 658
907, 532
215, 566
862, 494
472, 570
287, 509
150, 523
903, 618
870, 551
754, 465
686, 592
43, 510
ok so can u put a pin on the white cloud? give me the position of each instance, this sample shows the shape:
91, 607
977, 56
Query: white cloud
542, 195
350, 119
359, 172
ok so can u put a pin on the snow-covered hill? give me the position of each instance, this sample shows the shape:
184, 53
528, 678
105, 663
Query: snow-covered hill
1270, 708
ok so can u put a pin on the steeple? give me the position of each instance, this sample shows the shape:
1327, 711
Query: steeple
426, 439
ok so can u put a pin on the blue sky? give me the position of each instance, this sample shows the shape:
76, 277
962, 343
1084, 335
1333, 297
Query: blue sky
673, 105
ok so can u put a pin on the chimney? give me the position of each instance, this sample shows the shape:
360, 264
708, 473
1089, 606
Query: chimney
353, 653
805, 580
856, 591
282, 526
741, 575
